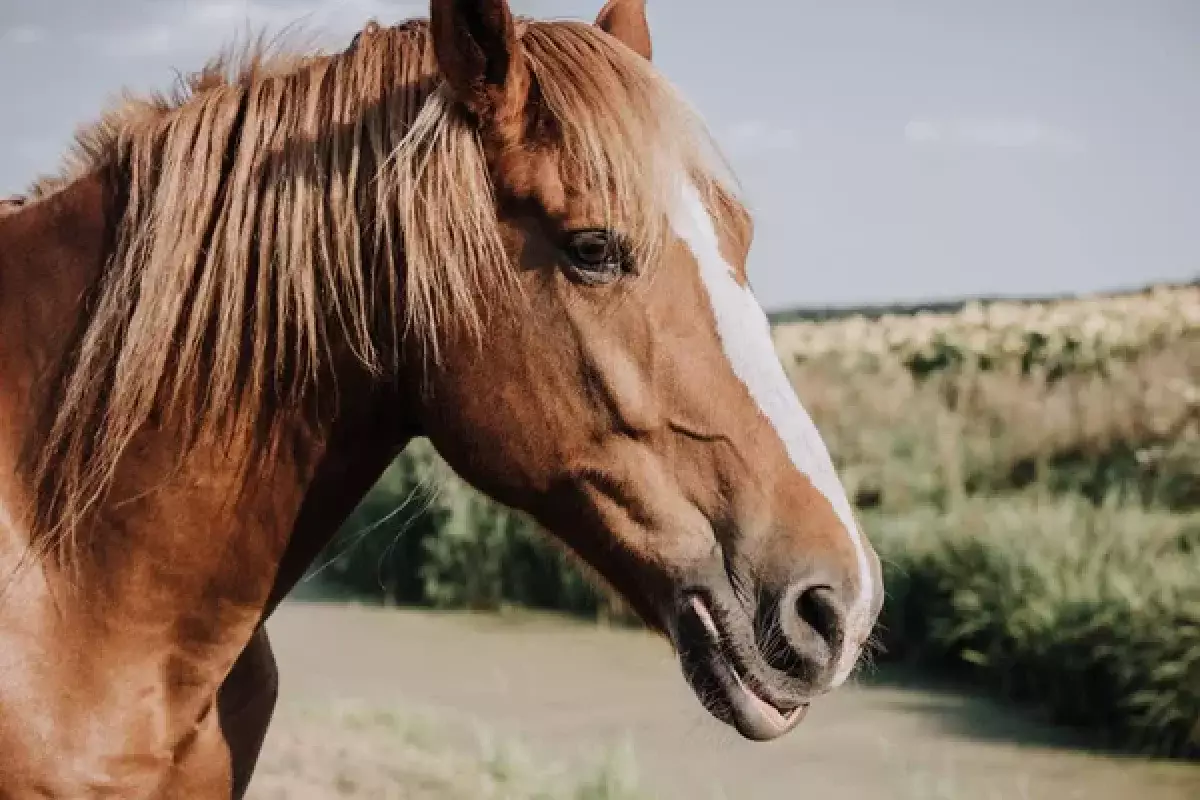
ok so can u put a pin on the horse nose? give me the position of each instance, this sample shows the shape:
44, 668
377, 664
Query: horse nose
805, 632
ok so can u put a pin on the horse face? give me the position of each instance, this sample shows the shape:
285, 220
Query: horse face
639, 411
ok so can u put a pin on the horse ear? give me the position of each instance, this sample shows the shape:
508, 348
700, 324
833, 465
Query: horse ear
626, 20
479, 55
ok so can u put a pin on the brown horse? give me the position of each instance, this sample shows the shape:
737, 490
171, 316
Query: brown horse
240, 302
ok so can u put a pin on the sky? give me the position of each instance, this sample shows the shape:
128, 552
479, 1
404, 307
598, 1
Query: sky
890, 151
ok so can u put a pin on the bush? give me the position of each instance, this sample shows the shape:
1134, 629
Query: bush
378, 551
486, 557
1093, 614
423, 537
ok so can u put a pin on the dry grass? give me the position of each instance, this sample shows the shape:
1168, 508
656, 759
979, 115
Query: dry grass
909, 440
354, 750
1074, 334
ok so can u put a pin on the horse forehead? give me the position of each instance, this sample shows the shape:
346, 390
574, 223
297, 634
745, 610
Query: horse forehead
712, 236
715, 228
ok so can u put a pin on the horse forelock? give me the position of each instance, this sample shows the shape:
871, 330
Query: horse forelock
275, 208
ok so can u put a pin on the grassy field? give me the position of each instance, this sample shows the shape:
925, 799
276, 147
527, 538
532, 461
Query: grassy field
1030, 473
387, 703
1031, 476
359, 750
1089, 397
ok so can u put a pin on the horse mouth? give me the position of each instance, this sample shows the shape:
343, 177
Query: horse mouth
722, 689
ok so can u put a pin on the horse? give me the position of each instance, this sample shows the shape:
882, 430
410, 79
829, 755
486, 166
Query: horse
240, 300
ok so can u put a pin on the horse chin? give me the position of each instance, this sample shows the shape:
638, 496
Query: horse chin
721, 689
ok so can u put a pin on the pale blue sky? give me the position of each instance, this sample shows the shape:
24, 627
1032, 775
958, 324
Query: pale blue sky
890, 150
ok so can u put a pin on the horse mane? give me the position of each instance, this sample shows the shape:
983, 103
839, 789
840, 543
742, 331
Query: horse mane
279, 210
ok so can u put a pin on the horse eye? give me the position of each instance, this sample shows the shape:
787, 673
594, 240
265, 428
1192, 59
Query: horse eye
597, 256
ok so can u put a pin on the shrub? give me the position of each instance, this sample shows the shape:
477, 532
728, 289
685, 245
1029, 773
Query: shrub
423, 537
1092, 613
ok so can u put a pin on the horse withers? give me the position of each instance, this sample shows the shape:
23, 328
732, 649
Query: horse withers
241, 301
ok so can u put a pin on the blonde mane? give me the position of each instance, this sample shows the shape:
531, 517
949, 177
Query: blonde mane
282, 212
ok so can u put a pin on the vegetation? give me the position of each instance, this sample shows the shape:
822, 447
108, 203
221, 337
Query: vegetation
1091, 612
355, 751
424, 537
1029, 472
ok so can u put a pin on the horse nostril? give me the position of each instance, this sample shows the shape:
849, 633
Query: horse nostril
818, 608
802, 634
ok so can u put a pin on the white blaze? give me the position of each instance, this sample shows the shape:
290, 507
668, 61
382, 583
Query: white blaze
745, 335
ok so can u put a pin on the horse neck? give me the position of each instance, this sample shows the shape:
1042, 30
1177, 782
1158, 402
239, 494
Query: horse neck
50, 254
179, 541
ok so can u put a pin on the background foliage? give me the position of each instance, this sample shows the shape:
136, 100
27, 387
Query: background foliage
1029, 472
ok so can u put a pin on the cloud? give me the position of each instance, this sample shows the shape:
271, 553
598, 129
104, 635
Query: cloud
22, 35
757, 136
1011, 133
196, 26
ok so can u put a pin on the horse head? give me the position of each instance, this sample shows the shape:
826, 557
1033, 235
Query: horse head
620, 384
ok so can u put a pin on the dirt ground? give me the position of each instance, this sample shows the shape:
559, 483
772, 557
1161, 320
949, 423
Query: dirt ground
571, 691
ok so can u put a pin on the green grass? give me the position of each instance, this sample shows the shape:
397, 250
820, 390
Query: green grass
1091, 614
